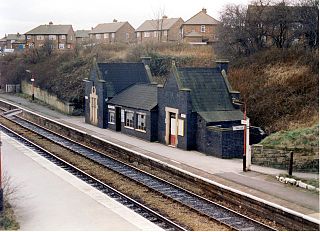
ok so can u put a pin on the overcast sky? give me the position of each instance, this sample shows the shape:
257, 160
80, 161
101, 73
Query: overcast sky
24, 15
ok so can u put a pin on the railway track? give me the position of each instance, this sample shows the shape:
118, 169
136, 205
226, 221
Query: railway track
205, 207
142, 210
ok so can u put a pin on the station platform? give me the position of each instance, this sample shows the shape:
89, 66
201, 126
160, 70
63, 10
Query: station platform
259, 182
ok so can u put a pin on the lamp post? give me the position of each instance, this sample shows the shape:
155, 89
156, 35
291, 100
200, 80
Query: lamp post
32, 80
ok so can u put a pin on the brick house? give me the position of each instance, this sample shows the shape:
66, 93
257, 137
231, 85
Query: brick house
59, 36
196, 112
13, 41
160, 30
115, 32
200, 29
105, 81
82, 37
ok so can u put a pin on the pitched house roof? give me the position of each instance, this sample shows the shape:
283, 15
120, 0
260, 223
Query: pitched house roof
17, 37
50, 29
209, 93
201, 18
155, 24
118, 76
107, 27
139, 96
82, 33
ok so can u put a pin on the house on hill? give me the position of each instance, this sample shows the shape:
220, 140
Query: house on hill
200, 29
13, 41
159, 30
82, 37
106, 80
115, 32
59, 36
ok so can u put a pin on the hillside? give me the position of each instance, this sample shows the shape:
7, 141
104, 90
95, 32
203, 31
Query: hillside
279, 86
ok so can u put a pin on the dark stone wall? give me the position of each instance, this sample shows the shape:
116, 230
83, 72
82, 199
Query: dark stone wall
151, 130
171, 96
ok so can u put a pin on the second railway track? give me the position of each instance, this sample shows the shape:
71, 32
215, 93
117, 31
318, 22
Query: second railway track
205, 207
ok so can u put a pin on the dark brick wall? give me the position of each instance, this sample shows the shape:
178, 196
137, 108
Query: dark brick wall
151, 129
170, 96
222, 144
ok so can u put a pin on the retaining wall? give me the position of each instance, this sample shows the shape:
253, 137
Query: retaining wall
304, 160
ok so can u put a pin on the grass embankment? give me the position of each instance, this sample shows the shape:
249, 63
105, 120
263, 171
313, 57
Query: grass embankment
307, 138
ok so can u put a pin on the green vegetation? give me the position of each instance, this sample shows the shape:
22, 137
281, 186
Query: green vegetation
8, 219
298, 138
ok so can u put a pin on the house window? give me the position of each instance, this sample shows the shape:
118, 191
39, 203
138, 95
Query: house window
28, 36
165, 33
40, 37
127, 36
52, 37
71, 38
106, 35
112, 35
141, 122
98, 36
203, 28
155, 34
68, 46
138, 34
146, 34
63, 37
129, 119
61, 46
111, 117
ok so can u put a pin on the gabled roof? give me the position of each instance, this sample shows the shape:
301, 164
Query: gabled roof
17, 37
139, 96
155, 24
82, 33
50, 29
201, 18
107, 27
209, 93
118, 76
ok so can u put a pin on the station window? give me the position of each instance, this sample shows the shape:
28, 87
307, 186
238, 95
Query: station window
141, 122
129, 119
111, 117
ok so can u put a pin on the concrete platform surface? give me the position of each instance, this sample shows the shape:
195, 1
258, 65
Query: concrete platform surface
46, 197
259, 182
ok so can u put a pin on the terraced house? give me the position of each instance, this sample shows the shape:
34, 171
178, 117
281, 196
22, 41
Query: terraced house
159, 30
115, 32
200, 29
58, 36
13, 41
82, 37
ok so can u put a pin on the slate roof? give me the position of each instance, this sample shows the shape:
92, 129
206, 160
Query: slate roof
139, 96
152, 25
17, 37
82, 33
201, 18
50, 29
107, 27
118, 76
209, 93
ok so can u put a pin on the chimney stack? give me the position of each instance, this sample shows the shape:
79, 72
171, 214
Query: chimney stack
50, 23
222, 65
204, 10
115, 20
164, 17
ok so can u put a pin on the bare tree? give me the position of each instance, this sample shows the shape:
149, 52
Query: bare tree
159, 16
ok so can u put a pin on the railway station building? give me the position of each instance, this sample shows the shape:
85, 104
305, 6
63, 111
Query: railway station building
192, 110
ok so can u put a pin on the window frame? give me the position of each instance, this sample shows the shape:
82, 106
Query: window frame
146, 34
128, 124
139, 127
52, 37
63, 37
112, 120
61, 46
203, 28
106, 35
